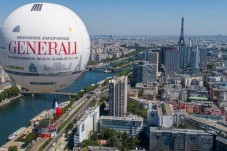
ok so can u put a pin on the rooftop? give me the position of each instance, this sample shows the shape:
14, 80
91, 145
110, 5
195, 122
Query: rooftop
197, 96
128, 118
164, 109
187, 131
220, 139
88, 112
168, 111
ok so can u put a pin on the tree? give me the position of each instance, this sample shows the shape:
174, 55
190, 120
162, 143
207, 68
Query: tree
210, 66
125, 136
160, 149
80, 94
103, 98
14, 91
5, 93
69, 127
30, 137
101, 134
123, 73
106, 82
12, 148
2, 96
44, 122
87, 143
8, 93
132, 143
143, 139
109, 133
94, 136
135, 108
114, 142
124, 145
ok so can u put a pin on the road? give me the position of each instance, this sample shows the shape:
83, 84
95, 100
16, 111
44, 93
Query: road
62, 119
38, 144
65, 119
82, 106
207, 125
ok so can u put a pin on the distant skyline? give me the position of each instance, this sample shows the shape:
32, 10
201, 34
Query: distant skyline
141, 17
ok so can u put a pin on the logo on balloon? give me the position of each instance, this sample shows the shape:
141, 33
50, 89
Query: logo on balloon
16, 29
32, 68
43, 47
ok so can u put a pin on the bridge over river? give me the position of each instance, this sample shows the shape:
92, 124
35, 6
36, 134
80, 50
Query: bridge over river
59, 93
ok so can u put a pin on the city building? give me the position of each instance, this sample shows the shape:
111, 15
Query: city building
185, 57
118, 96
5, 81
101, 148
224, 111
162, 53
192, 80
195, 61
196, 97
159, 115
46, 131
180, 139
172, 61
133, 93
150, 94
144, 72
152, 57
46, 114
197, 90
189, 107
131, 124
211, 109
87, 124
171, 92
2, 75
203, 57
218, 91
221, 144
214, 79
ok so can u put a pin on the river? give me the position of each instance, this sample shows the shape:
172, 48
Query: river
19, 112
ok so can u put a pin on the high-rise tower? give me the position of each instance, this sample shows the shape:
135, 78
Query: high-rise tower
118, 96
181, 40
172, 61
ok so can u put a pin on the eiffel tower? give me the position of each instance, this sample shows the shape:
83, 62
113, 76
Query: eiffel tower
181, 40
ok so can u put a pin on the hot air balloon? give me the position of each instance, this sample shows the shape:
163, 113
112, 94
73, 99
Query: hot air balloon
44, 47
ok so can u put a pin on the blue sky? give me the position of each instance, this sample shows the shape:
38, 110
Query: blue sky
141, 17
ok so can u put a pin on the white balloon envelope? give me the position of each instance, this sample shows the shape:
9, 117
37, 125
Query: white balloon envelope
44, 47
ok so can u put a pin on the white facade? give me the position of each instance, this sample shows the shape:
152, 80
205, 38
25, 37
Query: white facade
167, 121
152, 115
160, 115
130, 124
87, 124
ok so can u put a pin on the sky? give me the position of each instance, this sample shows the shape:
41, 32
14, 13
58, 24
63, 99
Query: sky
141, 17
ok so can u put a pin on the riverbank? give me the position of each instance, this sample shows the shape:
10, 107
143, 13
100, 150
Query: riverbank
17, 113
6, 101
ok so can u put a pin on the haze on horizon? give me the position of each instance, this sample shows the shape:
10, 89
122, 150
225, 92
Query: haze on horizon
144, 17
